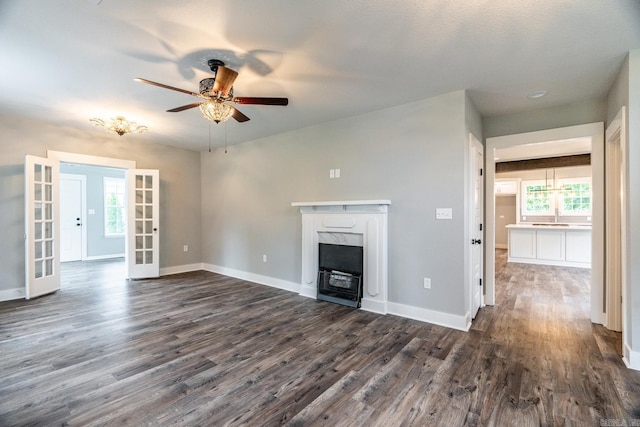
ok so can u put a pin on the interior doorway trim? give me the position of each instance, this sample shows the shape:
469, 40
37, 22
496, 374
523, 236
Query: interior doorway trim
596, 132
86, 159
617, 269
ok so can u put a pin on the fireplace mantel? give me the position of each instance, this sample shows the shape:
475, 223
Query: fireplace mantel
344, 203
367, 218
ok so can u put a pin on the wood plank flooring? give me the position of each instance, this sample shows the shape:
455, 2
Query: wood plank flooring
204, 349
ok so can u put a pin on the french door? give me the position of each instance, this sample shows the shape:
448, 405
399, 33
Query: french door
42, 227
143, 242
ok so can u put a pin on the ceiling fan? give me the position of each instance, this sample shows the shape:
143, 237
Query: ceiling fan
217, 95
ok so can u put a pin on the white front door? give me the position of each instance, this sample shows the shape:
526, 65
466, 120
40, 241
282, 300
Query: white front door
71, 216
42, 227
143, 238
477, 185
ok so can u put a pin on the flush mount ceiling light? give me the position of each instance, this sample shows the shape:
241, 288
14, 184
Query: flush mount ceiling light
537, 94
119, 125
216, 111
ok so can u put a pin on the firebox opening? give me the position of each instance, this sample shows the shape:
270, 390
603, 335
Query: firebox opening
340, 270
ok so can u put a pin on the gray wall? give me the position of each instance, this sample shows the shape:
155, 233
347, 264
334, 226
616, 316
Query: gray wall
505, 215
625, 91
411, 154
179, 186
548, 118
98, 245
633, 129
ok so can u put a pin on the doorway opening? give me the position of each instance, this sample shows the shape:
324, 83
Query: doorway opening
550, 238
92, 218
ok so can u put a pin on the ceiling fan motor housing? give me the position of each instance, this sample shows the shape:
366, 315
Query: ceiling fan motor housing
206, 88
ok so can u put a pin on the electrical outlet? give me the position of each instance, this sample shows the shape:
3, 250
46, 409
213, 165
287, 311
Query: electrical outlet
264, 258
332, 173
427, 283
186, 248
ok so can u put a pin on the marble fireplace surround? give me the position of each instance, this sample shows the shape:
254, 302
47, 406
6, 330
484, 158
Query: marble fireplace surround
366, 222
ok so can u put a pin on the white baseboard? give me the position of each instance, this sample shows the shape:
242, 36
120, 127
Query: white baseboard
252, 277
374, 306
166, 271
308, 291
99, 257
11, 294
430, 316
631, 358
453, 321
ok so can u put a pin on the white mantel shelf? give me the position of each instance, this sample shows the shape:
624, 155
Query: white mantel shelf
343, 203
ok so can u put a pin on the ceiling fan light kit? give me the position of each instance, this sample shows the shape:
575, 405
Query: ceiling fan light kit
216, 111
217, 94
119, 125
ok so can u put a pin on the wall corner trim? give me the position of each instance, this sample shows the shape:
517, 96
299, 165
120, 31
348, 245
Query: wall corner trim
631, 358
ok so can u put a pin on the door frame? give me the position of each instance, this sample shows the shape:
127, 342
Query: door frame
616, 225
595, 131
87, 159
83, 203
474, 146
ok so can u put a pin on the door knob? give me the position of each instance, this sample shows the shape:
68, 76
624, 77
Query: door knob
79, 224
476, 241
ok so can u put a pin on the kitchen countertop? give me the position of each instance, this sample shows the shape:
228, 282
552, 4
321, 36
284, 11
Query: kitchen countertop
551, 226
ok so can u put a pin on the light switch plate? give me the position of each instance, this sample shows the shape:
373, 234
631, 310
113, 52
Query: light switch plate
444, 213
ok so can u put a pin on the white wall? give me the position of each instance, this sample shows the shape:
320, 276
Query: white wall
179, 186
413, 155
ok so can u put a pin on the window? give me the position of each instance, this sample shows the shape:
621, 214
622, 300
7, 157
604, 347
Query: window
576, 196
536, 199
571, 198
114, 206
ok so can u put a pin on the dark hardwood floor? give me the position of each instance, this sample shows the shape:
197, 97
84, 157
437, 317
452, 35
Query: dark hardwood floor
204, 349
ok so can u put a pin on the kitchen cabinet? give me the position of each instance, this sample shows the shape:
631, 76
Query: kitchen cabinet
522, 243
550, 244
506, 187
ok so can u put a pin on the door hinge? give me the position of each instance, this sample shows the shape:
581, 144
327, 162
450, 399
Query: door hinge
480, 227
480, 171
480, 282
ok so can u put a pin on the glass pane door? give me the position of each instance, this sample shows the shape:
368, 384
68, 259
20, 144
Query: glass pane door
143, 238
42, 226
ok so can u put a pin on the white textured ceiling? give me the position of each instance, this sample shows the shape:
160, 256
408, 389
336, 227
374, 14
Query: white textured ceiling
70, 60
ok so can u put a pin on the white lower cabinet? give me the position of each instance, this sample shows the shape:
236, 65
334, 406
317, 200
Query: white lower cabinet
564, 246
522, 243
550, 245
579, 246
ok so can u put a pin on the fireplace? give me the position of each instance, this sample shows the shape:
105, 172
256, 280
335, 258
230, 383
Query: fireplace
361, 224
340, 274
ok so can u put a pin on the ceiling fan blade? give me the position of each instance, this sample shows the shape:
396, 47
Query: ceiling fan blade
224, 79
184, 107
149, 82
260, 101
239, 116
